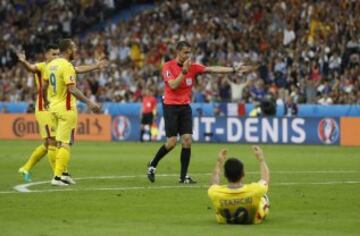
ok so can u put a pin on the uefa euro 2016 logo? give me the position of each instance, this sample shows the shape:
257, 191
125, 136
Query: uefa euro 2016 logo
328, 131
121, 127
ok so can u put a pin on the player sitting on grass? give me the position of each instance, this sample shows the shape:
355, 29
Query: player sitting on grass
236, 202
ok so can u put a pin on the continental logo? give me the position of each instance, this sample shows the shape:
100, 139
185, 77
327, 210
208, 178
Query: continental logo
22, 127
89, 126
25, 126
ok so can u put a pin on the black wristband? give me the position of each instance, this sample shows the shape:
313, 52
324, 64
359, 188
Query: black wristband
234, 70
184, 72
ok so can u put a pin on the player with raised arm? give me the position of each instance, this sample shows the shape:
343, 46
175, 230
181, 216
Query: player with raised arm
42, 115
179, 76
236, 202
61, 81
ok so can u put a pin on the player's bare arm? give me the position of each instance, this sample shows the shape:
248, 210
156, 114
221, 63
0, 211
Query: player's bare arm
28, 66
174, 84
94, 107
100, 64
215, 178
240, 68
264, 169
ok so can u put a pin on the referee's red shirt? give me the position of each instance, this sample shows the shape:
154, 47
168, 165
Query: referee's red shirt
181, 95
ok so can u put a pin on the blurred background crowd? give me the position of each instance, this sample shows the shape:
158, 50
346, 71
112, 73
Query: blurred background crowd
308, 51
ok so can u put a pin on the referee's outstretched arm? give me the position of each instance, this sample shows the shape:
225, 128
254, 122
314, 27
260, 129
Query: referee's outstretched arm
240, 68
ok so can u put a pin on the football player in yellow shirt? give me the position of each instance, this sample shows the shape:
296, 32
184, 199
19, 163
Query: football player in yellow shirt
60, 86
42, 115
236, 202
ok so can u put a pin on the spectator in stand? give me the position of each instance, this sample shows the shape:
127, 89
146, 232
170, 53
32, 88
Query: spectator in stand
290, 107
257, 91
299, 45
237, 88
325, 99
224, 91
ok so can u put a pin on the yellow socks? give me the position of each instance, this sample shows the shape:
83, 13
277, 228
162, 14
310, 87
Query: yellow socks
62, 161
36, 156
52, 150
58, 159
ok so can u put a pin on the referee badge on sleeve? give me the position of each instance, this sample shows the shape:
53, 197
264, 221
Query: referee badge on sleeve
168, 74
188, 81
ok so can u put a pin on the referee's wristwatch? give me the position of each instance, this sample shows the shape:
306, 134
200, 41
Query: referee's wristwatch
184, 72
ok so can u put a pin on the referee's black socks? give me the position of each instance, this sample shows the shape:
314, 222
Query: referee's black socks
159, 155
185, 161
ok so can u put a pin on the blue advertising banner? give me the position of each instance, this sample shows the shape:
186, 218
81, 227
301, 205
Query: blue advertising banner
206, 109
279, 130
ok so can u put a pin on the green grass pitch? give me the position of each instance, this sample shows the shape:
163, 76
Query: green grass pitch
314, 190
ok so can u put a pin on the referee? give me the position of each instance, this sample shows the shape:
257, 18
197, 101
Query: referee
148, 111
179, 76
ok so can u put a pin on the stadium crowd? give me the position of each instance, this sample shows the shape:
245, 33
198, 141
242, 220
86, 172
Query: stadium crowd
307, 51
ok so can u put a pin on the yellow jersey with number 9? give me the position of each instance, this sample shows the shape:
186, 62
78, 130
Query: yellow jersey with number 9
237, 206
60, 73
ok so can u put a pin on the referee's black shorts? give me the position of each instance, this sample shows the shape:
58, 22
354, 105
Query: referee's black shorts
147, 118
178, 120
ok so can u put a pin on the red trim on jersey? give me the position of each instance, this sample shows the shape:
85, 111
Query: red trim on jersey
40, 96
72, 137
47, 131
68, 100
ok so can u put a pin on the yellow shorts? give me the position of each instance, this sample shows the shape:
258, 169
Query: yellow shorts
46, 125
65, 125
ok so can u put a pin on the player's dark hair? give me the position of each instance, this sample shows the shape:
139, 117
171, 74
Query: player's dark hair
182, 44
51, 46
233, 170
64, 45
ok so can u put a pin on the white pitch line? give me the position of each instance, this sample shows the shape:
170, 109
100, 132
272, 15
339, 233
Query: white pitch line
311, 172
7, 192
317, 183
247, 172
24, 188
66, 189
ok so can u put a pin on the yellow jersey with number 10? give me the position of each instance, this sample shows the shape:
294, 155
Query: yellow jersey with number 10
60, 74
239, 205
